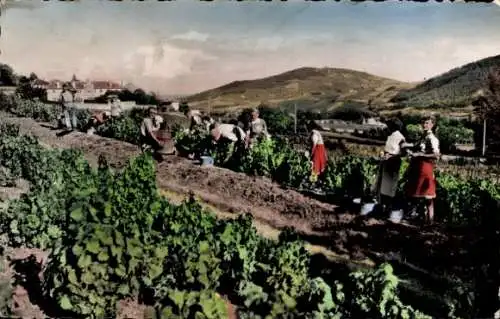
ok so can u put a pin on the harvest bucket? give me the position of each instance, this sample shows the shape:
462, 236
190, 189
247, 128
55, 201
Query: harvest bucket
367, 208
396, 216
207, 161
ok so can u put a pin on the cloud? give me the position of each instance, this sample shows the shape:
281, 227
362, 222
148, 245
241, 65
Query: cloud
192, 36
164, 61
269, 43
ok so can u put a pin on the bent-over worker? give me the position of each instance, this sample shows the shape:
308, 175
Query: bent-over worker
149, 128
95, 121
229, 135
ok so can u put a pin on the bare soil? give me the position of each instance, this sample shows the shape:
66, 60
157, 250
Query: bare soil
427, 258
225, 189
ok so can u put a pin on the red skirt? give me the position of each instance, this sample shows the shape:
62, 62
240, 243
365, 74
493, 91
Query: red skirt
319, 158
421, 181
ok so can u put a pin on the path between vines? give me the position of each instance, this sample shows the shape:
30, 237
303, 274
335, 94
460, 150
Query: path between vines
424, 256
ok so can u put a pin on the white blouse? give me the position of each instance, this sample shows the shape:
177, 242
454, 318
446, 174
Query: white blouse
430, 144
393, 143
116, 109
316, 138
227, 131
258, 126
148, 126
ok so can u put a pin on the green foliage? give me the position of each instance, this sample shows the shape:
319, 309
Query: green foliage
124, 128
488, 108
26, 90
183, 107
204, 304
37, 219
7, 75
138, 96
38, 110
373, 295
277, 121
196, 142
117, 238
349, 175
448, 135
414, 132
263, 159
459, 201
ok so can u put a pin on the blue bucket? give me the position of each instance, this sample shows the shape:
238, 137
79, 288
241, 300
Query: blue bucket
207, 161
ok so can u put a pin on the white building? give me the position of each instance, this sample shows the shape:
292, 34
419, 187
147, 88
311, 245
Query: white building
85, 90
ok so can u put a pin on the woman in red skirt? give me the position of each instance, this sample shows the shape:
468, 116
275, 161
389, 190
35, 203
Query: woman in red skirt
421, 182
318, 154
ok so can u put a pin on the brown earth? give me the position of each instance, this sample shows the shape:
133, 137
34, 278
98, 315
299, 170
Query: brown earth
224, 189
429, 258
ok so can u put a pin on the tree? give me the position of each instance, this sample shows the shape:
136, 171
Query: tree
33, 76
7, 75
26, 90
487, 104
278, 121
183, 107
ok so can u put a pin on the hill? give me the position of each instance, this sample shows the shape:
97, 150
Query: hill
318, 89
453, 89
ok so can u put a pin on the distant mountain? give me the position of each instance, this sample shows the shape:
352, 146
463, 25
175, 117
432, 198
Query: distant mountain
318, 89
454, 88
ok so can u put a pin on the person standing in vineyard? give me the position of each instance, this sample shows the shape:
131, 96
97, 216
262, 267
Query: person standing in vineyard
257, 128
318, 155
195, 119
388, 177
66, 100
149, 128
421, 183
116, 106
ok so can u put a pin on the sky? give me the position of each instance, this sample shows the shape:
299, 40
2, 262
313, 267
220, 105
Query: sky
187, 46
